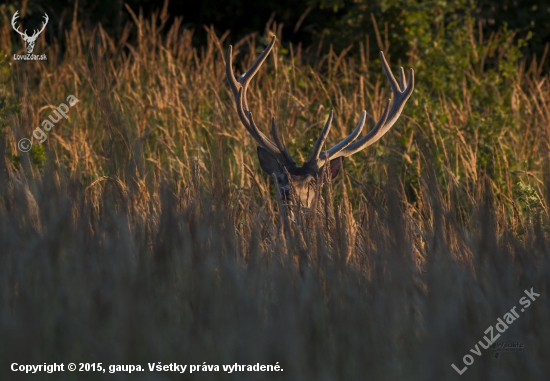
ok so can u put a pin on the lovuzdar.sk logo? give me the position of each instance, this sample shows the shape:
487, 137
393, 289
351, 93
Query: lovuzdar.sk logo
29, 40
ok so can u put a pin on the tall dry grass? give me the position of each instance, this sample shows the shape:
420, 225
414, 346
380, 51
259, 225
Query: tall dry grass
144, 231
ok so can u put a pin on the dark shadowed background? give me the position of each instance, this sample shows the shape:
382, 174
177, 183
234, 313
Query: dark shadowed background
337, 22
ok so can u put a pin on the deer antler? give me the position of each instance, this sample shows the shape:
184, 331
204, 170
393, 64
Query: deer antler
24, 34
347, 146
239, 87
13, 19
45, 22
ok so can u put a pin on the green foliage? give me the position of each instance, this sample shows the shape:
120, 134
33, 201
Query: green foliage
528, 198
38, 154
8, 104
399, 25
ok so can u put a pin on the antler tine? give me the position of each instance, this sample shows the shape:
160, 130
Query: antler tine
278, 149
314, 157
280, 142
46, 18
347, 141
400, 97
13, 20
233, 84
401, 78
252, 70
365, 141
248, 122
248, 74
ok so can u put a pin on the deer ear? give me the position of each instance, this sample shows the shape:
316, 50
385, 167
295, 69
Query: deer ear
268, 162
335, 166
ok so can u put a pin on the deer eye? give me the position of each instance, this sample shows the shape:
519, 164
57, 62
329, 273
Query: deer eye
313, 182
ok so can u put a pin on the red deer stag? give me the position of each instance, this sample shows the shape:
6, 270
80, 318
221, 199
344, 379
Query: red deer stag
297, 184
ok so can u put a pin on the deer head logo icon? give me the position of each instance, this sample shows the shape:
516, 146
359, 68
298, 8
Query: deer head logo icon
29, 40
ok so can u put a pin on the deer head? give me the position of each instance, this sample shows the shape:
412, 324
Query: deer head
298, 184
29, 40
